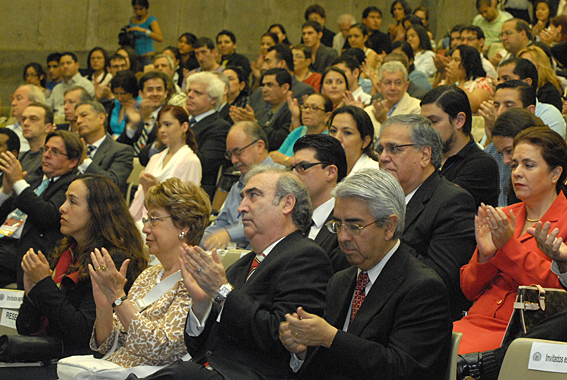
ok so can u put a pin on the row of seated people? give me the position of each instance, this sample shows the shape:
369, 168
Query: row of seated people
395, 157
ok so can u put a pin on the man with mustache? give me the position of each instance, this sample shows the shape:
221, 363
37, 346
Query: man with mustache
246, 146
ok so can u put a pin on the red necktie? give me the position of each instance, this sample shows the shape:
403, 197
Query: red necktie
359, 293
257, 260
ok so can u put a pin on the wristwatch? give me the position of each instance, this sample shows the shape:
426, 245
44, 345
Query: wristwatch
224, 290
118, 301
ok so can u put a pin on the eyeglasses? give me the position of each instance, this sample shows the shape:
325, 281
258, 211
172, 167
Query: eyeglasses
237, 151
54, 151
388, 83
153, 219
302, 166
471, 38
351, 228
391, 148
506, 33
311, 108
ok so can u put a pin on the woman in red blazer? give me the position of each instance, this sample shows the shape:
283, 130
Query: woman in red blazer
507, 256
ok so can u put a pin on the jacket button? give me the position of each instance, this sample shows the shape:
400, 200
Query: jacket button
499, 302
209, 353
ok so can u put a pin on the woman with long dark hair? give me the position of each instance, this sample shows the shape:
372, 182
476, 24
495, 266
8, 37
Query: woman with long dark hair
97, 67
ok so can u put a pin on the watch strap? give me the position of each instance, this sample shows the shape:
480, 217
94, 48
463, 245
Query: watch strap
122, 299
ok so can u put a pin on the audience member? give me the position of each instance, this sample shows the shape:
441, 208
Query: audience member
247, 146
30, 210
302, 60
549, 87
516, 35
101, 154
117, 63
35, 75
276, 119
73, 96
417, 37
37, 123
146, 30
226, 43
345, 21
503, 260
319, 161
59, 294
188, 61
358, 38
379, 42
293, 270
413, 90
124, 87
206, 54
417, 77
205, 92
54, 71
464, 163
266, 41
177, 215
97, 67
316, 13
353, 128
399, 10
472, 35
71, 77
173, 53
131, 60
322, 54
238, 91
279, 30
164, 64
334, 84
397, 331
9, 142
350, 66
178, 160
439, 215
542, 17
490, 19
21, 99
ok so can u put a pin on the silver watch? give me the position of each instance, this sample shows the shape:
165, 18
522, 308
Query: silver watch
224, 290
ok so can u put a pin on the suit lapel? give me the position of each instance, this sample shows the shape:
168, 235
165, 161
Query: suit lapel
417, 203
324, 231
387, 283
101, 151
337, 309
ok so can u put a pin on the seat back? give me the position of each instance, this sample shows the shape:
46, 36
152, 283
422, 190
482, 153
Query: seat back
133, 179
515, 365
452, 367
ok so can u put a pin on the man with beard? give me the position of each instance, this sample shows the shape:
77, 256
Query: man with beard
464, 163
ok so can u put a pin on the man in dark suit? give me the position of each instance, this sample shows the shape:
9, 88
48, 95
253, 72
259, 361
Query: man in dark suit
319, 161
205, 92
440, 215
388, 316
236, 335
102, 155
30, 211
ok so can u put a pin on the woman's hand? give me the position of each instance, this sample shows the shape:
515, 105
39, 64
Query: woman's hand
147, 181
35, 267
486, 247
103, 272
502, 227
550, 244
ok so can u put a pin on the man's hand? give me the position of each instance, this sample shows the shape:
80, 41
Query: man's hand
288, 342
310, 329
218, 240
495, 59
380, 110
12, 169
242, 114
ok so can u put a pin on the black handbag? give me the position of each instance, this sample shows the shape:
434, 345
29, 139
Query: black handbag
24, 348
533, 305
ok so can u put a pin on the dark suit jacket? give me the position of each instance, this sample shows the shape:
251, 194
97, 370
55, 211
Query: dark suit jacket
124, 139
278, 128
114, 161
210, 134
401, 331
330, 244
41, 230
439, 226
245, 344
298, 88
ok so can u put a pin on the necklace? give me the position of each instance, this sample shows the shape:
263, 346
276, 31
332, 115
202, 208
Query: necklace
532, 220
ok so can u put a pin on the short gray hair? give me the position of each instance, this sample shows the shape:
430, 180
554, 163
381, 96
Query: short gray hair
393, 67
344, 18
288, 184
422, 134
380, 191
35, 95
168, 58
215, 87
84, 97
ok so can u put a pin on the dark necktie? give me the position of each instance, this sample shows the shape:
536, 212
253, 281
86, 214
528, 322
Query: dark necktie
192, 122
90, 150
359, 293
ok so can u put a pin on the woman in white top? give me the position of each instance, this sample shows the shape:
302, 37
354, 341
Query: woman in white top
417, 37
353, 128
97, 63
177, 160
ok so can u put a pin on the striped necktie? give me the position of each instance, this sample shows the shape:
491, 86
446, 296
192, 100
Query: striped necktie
257, 260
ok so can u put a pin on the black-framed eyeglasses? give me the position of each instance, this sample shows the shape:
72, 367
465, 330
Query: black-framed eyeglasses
303, 166
237, 151
54, 151
391, 148
350, 228
153, 219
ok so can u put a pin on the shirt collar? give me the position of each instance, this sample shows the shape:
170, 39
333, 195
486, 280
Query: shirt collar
321, 213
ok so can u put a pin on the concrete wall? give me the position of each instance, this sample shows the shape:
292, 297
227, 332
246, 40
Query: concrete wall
31, 29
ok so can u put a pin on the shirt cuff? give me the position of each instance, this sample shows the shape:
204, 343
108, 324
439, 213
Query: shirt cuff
562, 276
194, 327
20, 186
85, 165
295, 363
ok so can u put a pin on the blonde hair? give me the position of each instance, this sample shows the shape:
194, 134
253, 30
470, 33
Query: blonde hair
544, 69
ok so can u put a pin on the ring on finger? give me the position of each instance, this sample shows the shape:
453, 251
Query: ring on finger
296, 335
199, 270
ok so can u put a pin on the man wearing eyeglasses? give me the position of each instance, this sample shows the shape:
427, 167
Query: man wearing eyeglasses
319, 161
389, 313
29, 208
516, 35
440, 215
247, 146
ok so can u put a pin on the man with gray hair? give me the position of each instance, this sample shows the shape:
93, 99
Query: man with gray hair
340, 40
440, 215
73, 96
101, 154
232, 325
399, 330
164, 64
23, 97
393, 84
204, 95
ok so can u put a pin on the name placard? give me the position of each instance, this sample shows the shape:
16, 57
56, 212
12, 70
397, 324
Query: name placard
9, 318
549, 357
11, 299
